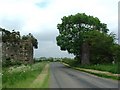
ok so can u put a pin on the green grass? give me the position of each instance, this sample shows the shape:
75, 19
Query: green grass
100, 74
113, 68
21, 77
0, 81
46, 81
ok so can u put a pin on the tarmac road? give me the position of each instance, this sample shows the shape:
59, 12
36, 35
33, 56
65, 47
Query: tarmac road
65, 77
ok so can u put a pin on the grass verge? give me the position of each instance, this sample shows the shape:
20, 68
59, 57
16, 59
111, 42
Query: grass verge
104, 75
46, 81
42, 79
21, 77
113, 68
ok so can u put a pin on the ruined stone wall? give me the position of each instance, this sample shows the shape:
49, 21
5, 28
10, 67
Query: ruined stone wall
26, 51
22, 51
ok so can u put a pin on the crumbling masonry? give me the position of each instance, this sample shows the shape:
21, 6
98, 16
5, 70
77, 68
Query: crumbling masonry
22, 51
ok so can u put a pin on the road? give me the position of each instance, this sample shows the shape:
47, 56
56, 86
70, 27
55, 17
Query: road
65, 77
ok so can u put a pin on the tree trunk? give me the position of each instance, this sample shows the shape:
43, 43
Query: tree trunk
85, 54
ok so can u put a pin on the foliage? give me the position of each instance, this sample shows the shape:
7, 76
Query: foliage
32, 38
100, 47
11, 37
75, 30
116, 52
14, 37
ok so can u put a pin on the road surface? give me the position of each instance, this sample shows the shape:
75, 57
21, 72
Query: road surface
65, 77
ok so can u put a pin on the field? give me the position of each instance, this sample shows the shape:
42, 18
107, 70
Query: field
24, 76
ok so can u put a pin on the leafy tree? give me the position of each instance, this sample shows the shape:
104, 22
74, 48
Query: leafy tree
116, 52
100, 46
74, 30
10, 37
34, 41
5, 35
15, 36
32, 38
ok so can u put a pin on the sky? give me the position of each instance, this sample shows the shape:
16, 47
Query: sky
40, 17
119, 22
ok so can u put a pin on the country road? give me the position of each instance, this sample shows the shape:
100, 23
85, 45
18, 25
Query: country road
64, 77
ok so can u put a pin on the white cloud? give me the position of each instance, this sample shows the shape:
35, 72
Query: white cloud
30, 16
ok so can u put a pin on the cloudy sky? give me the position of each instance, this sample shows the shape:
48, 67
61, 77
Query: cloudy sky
40, 17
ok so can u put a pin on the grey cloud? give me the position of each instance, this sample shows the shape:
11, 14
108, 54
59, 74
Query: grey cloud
47, 46
12, 23
47, 35
50, 49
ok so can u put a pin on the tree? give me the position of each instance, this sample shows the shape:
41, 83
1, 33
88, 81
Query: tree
100, 47
10, 37
32, 38
15, 36
73, 34
5, 35
116, 53
34, 41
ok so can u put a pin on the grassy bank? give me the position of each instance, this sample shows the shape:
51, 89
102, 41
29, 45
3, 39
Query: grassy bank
22, 76
111, 68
